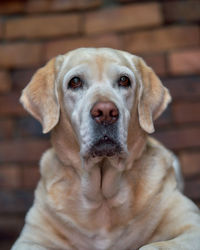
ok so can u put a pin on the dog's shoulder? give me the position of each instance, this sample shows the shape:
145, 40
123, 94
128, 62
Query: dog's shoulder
156, 150
49, 163
170, 161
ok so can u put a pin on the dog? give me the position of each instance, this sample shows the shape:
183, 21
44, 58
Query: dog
105, 183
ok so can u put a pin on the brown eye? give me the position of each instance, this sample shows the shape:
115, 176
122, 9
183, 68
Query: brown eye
75, 83
124, 81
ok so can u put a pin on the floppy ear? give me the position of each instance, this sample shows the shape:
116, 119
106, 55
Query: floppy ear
153, 97
40, 98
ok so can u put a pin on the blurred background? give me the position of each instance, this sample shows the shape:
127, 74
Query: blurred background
165, 33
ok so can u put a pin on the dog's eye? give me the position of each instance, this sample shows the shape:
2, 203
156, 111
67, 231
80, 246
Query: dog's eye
124, 81
75, 83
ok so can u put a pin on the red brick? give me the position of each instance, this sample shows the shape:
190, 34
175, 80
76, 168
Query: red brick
10, 176
5, 82
182, 11
6, 244
11, 6
6, 129
18, 55
157, 62
184, 62
184, 88
60, 5
127, 1
10, 225
30, 177
190, 163
165, 119
162, 39
10, 106
62, 46
15, 201
1, 28
22, 150
21, 77
192, 189
42, 26
181, 138
186, 112
124, 17
28, 127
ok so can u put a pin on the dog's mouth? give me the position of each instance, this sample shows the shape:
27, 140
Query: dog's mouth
105, 147
103, 140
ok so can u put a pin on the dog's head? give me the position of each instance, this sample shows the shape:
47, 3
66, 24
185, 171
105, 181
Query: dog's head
100, 91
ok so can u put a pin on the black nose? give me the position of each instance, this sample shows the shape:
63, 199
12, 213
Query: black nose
105, 113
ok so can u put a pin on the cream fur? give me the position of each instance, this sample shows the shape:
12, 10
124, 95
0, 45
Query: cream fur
127, 201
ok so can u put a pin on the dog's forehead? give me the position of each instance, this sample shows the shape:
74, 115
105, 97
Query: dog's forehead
96, 57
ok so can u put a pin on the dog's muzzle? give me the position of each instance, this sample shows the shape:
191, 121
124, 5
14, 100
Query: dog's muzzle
105, 129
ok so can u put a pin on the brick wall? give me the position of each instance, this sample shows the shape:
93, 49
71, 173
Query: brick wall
165, 33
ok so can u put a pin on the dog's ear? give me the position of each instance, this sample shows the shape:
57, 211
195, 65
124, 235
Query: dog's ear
40, 96
153, 96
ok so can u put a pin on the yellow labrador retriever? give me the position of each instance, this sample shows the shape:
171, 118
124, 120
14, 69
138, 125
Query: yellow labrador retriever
105, 184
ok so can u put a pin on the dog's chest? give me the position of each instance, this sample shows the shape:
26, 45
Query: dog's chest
104, 211
109, 240
124, 237
104, 240
112, 223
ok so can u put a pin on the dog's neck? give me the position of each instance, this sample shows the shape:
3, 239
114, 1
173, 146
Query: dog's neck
101, 178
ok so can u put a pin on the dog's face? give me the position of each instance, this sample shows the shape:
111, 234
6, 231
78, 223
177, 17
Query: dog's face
97, 89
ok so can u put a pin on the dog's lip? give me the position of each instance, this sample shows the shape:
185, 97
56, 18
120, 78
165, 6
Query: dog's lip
105, 139
105, 146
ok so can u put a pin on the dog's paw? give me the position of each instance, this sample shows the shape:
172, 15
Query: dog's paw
156, 246
148, 248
